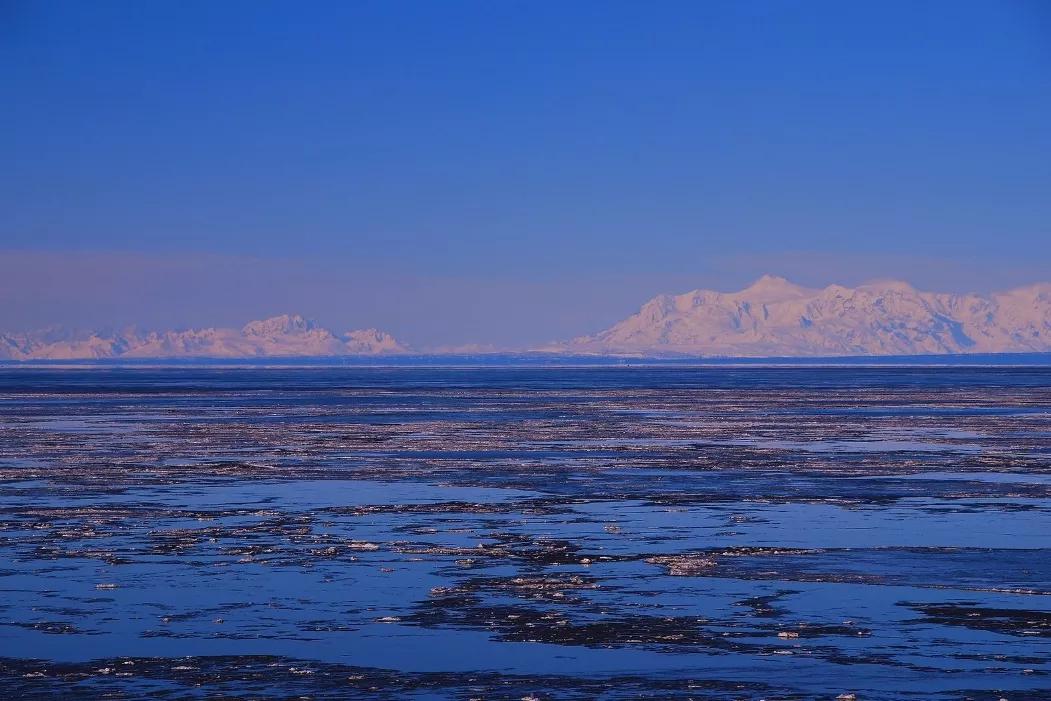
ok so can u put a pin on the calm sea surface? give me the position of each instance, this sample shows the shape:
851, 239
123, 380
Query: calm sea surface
526, 533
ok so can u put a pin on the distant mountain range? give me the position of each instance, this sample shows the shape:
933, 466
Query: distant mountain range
280, 336
770, 318
775, 318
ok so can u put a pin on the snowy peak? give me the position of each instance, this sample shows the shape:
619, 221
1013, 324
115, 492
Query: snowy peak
284, 324
371, 341
889, 287
774, 317
288, 335
771, 288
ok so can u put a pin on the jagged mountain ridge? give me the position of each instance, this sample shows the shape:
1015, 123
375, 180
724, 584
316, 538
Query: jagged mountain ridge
776, 318
771, 318
280, 336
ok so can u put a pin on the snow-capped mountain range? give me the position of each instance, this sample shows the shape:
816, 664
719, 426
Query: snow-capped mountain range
280, 336
775, 318
771, 318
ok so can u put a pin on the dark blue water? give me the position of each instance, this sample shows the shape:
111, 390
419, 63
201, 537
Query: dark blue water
602, 532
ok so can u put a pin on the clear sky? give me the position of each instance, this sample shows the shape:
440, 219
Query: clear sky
509, 172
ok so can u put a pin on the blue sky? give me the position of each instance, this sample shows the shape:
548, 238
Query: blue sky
423, 163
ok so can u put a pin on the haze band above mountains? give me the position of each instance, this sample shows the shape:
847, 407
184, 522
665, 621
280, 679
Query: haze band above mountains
770, 318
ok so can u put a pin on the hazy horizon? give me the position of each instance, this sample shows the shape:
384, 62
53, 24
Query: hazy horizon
108, 290
757, 289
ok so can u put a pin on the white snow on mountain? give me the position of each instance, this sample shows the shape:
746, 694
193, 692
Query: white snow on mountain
280, 336
774, 317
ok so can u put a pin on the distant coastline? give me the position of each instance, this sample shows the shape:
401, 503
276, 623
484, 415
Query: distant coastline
553, 360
